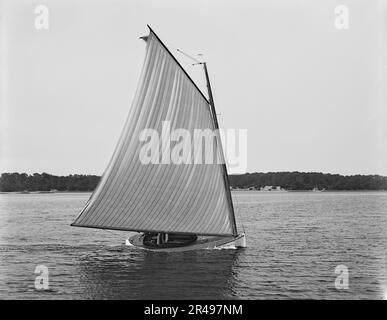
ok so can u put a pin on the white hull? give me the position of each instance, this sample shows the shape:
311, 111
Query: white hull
203, 243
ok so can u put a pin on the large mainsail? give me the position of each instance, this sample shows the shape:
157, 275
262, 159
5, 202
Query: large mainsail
173, 198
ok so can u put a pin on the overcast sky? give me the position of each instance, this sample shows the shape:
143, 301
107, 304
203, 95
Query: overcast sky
311, 97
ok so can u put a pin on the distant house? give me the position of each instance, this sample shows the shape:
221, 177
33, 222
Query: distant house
272, 188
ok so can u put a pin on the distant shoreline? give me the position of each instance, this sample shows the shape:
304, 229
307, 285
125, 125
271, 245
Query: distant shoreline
331, 190
270, 182
42, 192
238, 190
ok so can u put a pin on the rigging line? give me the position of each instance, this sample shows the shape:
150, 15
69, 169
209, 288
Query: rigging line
170, 46
185, 61
174, 48
113, 233
189, 56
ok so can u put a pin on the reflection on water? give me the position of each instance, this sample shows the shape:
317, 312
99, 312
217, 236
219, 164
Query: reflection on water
136, 274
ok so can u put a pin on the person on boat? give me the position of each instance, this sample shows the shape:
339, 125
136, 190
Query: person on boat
162, 238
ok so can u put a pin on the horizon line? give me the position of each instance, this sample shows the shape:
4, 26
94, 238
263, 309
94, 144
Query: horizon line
230, 174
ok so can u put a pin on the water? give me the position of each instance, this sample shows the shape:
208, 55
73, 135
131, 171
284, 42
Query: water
295, 241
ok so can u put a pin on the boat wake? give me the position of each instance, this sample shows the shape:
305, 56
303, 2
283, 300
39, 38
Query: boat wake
231, 247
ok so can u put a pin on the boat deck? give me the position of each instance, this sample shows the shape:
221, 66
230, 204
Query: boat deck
200, 243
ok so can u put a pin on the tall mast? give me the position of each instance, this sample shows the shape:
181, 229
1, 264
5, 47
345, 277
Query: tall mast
224, 167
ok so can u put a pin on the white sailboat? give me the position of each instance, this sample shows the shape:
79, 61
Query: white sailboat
173, 207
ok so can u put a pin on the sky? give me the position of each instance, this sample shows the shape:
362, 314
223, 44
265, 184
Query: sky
312, 97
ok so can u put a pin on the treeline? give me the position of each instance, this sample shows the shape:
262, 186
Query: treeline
308, 181
10, 182
46, 182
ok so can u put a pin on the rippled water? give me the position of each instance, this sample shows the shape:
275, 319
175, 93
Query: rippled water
295, 241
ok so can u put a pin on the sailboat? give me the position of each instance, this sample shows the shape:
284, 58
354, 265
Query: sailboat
171, 207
